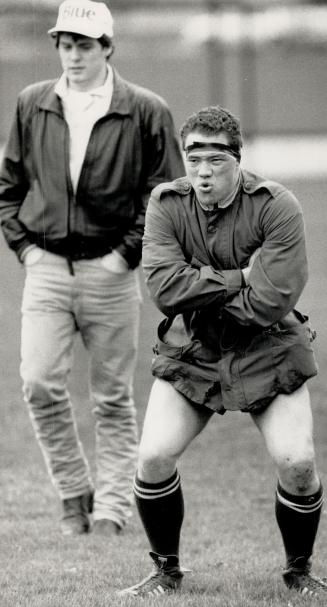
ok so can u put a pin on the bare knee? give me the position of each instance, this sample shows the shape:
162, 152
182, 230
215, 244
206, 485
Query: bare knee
298, 475
154, 467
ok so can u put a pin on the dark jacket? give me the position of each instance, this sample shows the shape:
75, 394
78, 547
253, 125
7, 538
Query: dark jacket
192, 262
131, 149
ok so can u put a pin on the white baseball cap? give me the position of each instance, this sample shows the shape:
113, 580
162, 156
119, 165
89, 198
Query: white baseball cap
92, 19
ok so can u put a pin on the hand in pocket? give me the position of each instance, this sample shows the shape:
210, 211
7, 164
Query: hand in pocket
33, 256
114, 262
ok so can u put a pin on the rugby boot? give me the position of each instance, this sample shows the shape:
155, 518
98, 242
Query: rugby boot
165, 578
76, 510
300, 579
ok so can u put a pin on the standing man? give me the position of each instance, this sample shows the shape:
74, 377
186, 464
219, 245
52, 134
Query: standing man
225, 261
87, 148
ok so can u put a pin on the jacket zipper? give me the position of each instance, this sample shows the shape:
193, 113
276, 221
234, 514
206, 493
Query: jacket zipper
70, 190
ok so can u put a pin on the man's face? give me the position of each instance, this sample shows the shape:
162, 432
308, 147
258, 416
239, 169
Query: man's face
83, 61
213, 173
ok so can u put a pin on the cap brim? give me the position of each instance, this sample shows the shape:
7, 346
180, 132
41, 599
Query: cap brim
54, 30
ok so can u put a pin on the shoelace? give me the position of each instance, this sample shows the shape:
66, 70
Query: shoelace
308, 585
153, 584
312, 586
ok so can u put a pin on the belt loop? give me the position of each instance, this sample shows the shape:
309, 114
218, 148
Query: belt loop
70, 266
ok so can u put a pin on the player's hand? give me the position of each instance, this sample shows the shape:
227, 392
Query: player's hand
246, 271
115, 262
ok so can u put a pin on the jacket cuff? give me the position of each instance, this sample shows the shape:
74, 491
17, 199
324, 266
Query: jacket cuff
22, 247
25, 251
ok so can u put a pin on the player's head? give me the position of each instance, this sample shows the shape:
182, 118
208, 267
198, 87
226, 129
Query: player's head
85, 18
212, 142
214, 120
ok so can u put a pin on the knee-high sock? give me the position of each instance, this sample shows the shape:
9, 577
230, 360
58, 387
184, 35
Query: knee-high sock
298, 520
161, 509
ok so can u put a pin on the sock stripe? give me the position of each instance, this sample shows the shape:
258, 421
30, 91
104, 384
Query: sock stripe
151, 494
303, 508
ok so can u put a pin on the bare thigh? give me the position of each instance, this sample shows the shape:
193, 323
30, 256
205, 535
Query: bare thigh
287, 428
171, 423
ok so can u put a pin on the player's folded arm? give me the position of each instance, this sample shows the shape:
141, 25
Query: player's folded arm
279, 273
175, 284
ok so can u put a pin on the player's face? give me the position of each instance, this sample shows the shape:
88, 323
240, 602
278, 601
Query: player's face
212, 173
83, 61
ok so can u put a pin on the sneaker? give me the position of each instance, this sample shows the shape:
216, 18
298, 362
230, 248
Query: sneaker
75, 519
106, 528
302, 581
166, 578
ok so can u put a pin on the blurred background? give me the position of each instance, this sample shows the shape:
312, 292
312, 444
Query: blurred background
266, 60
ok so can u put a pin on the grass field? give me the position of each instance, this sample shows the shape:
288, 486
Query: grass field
230, 538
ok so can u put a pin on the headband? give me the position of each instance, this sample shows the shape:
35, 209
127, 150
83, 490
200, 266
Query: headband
217, 146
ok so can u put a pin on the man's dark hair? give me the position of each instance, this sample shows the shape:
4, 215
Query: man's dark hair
211, 121
105, 41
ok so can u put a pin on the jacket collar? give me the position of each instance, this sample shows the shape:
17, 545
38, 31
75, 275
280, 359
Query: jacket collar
250, 184
120, 103
121, 97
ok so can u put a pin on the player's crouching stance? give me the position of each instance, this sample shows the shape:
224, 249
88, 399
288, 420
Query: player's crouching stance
225, 261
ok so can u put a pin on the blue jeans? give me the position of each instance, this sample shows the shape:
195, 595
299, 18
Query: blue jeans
105, 308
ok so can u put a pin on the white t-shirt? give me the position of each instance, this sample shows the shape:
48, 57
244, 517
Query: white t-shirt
82, 109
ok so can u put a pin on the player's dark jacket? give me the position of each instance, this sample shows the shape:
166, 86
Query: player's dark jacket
224, 344
131, 149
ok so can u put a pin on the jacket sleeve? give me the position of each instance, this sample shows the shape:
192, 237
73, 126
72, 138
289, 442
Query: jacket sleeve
280, 272
162, 161
175, 284
14, 186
